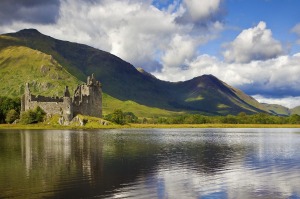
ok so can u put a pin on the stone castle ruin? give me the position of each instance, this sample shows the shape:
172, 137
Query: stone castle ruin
87, 100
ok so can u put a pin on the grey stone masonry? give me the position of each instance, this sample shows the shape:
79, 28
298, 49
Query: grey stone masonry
87, 100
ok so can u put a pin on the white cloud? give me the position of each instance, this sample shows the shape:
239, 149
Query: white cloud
288, 101
253, 44
296, 29
179, 51
134, 30
201, 10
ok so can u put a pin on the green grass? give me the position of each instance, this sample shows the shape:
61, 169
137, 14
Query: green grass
110, 104
192, 99
214, 125
296, 110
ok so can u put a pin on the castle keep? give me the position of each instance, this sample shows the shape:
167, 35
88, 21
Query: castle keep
87, 100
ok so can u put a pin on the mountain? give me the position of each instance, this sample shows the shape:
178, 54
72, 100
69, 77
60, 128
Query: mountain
121, 80
295, 110
277, 109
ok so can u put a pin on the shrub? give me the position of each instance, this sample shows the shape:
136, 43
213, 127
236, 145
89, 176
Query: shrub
11, 116
33, 116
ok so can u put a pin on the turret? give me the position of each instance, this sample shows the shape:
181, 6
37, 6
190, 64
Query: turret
91, 80
67, 92
27, 89
26, 98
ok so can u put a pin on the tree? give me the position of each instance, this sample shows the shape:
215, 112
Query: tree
117, 117
130, 117
294, 119
11, 116
40, 114
7, 104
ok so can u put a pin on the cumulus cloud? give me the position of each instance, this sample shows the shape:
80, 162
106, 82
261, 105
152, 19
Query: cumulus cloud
296, 29
288, 101
201, 9
255, 43
134, 30
34, 11
200, 13
179, 51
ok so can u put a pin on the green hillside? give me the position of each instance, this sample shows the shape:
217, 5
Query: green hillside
277, 109
122, 81
45, 75
295, 110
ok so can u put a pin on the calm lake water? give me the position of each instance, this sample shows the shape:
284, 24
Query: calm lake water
150, 163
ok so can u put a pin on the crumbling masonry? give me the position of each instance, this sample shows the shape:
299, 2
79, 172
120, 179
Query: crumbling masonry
87, 100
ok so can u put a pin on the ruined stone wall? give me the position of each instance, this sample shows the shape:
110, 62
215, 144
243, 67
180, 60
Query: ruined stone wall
52, 106
87, 100
46, 99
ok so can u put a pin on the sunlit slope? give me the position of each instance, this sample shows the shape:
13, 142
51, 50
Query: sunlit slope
277, 109
295, 110
20, 65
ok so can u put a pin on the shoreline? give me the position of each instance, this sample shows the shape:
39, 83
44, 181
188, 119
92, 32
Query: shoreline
142, 126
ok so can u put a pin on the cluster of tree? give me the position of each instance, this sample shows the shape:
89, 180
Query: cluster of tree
9, 109
120, 117
242, 118
33, 116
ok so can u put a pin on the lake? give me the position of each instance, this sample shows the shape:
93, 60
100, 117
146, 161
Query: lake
150, 163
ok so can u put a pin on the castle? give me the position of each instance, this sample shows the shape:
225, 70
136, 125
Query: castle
87, 100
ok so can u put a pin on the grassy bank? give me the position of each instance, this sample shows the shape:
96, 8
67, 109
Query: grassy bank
215, 126
54, 127
112, 126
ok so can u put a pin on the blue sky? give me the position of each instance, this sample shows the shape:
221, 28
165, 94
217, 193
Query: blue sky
281, 16
253, 45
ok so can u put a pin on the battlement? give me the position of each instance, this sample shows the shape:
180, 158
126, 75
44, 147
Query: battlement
39, 98
87, 100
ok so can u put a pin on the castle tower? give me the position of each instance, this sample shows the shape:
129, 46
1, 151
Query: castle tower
67, 92
88, 98
26, 98
67, 110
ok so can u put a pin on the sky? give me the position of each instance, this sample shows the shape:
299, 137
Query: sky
253, 45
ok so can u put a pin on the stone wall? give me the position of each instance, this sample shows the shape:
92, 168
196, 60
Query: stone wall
52, 106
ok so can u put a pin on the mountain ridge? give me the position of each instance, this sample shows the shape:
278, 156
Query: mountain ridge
204, 94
